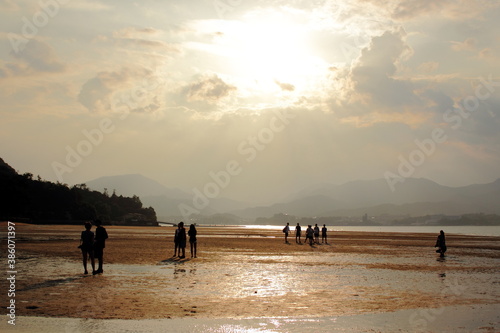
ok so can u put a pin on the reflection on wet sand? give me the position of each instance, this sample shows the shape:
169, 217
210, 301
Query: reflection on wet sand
250, 277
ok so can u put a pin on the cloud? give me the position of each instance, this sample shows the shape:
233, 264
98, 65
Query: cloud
134, 32
373, 78
36, 57
452, 9
89, 6
151, 44
127, 90
8, 5
438, 101
145, 40
411, 8
467, 45
471, 45
486, 53
285, 86
428, 67
209, 89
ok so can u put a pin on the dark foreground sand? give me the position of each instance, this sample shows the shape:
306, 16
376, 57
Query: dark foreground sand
248, 273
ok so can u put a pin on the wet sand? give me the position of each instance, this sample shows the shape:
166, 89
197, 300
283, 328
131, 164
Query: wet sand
251, 273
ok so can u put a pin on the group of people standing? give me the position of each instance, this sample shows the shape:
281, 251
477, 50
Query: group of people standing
92, 246
312, 234
180, 240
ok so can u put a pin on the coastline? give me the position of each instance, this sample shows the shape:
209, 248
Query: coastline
251, 273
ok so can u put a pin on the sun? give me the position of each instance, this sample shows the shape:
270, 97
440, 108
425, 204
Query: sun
271, 49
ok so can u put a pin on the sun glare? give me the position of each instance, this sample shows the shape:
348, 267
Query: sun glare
271, 50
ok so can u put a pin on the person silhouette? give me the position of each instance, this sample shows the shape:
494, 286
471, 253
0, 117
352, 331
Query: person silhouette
441, 244
316, 233
99, 244
87, 247
286, 230
181, 237
298, 232
192, 239
310, 234
176, 242
323, 234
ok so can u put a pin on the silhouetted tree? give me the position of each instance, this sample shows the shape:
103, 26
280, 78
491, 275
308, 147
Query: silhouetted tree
24, 197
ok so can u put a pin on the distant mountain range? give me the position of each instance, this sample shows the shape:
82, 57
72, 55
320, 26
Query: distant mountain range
158, 196
135, 184
413, 197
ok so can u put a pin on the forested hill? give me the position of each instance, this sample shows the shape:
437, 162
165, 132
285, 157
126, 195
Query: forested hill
24, 198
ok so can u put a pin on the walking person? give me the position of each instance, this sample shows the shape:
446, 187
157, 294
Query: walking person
298, 233
182, 240
99, 244
286, 230
323, 234
192, 239
87, 247
441, 244
316, 233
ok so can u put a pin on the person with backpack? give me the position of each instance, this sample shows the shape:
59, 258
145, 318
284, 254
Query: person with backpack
286, 230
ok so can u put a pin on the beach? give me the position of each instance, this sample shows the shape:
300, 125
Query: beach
251, 274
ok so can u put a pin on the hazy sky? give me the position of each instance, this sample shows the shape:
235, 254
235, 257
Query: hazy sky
257, 98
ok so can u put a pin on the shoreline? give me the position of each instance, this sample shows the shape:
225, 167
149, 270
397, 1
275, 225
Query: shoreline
250, 273
464, 230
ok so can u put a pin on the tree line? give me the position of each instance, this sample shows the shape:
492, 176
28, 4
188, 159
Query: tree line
35, 200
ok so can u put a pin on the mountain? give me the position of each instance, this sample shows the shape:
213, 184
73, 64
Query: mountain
304, 206
362, 193
135, 184
6, 169
412, 197
164, 200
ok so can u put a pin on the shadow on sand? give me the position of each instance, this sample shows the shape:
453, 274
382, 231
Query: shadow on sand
51, 283
441, 259
174, 260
